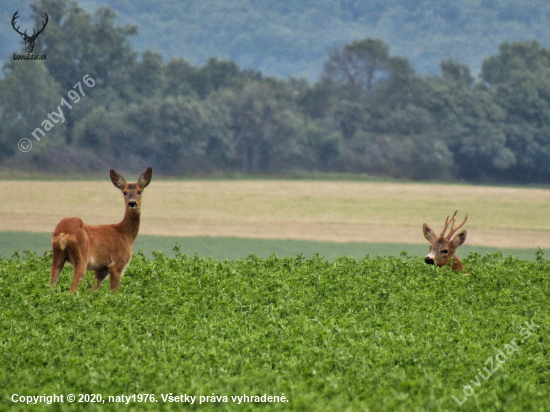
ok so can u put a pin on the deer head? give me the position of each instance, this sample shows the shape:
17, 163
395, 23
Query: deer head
29, 40
132, 191
443, 248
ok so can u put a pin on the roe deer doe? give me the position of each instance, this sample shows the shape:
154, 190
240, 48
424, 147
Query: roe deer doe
442, 249
105, 249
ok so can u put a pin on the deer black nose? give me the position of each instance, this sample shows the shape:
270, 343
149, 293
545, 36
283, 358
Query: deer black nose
429, 260
132, 203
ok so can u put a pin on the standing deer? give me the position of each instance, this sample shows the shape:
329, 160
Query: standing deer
105, 249
442, 249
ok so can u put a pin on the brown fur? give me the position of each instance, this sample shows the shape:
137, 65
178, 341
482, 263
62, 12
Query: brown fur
105, 249
443, 248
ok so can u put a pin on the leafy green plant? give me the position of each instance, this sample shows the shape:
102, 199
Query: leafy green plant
383, 333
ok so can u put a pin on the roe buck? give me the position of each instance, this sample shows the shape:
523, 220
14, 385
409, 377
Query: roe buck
442, 249
105, 249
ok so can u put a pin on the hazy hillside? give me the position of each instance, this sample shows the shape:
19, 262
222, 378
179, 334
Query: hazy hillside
292, 38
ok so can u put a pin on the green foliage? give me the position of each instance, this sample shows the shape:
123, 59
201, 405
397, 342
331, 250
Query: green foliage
79, 43
285, 38
266, 130
27, 93
457, 74
390, 333
370, 112
527, 56
358, 65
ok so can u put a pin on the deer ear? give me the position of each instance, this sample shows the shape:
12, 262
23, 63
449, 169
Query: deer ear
117, 179
145, 178
429, 233
459, 239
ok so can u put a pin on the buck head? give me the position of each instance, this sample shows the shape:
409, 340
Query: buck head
132, 191
443, 247
29, 40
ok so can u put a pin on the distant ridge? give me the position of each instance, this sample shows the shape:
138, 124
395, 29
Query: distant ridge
286, 38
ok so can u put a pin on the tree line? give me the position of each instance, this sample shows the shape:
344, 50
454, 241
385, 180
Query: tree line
290, 38
369, 112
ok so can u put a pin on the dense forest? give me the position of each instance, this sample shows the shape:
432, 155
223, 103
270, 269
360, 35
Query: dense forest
285, 38
369, 111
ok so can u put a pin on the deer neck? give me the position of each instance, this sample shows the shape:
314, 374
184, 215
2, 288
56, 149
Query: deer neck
456, 263
130, 224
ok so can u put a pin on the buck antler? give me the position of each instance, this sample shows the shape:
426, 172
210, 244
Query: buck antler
443, 248
447, 221
452, 222
453, 229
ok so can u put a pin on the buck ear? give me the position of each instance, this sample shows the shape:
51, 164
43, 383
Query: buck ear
145, 178
459, 239
117, 179
429, 233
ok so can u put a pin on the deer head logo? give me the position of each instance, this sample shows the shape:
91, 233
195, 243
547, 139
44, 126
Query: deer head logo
29, 40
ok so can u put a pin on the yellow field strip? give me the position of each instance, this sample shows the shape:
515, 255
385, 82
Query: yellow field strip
312, 210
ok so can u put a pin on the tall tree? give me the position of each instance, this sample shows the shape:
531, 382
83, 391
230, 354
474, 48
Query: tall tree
147, 76
27, 95
519, 80
77, 44
526, 56
266, 124
457, 74
358, 65
526, 99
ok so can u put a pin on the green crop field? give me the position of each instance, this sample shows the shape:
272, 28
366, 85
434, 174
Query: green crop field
378, 334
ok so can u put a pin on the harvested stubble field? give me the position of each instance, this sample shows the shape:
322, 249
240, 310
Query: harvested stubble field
314, 210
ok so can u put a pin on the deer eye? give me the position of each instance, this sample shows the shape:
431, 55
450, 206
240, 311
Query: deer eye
125, 193
444, 251
139, 192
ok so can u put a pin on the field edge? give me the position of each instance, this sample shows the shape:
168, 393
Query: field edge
239, 247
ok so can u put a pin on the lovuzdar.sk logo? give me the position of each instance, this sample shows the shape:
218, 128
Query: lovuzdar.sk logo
29, 40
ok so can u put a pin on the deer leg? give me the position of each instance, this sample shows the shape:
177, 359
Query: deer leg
115, 279
79, 274
58, 261
117, 271
99, 277
80, 264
